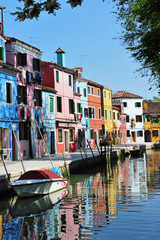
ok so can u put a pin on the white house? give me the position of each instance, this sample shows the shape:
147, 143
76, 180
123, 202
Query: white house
133, 107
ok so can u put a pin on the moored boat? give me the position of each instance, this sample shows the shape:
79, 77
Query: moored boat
38, 182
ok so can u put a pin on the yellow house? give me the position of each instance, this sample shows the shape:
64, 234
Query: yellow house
108, 121
151, 119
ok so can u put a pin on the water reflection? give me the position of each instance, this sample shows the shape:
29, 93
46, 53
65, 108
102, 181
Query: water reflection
105, 204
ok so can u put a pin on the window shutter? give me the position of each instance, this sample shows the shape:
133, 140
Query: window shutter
135, 104
51, 104
24, 59
57, 76
137, 133
2, 53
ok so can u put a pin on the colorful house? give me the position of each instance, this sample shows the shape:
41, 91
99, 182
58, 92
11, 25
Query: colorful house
116, 125
151, 118
49, 119
57, 76
95, 113
120, 122
133, 108
107, 108
26, 59
80, 87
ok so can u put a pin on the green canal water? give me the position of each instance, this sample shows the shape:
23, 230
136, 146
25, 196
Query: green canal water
121, 201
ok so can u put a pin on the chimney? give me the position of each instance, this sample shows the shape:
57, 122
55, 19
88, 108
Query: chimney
1, 21
60, 57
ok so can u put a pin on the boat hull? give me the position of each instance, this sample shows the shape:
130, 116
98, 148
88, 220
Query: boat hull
27, 188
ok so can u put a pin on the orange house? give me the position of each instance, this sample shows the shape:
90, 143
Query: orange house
95, 113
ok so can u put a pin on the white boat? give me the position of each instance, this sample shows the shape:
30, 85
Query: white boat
38, 182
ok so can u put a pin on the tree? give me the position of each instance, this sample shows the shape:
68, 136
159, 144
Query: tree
155, 99
33, 8
140, 20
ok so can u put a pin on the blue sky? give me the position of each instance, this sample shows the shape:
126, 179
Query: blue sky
87, 34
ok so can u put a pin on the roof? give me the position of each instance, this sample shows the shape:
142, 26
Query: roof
77, 94
4, 66
49, 89
123, 94
12, 39
94, 84
59, 67
60, 50
152, 108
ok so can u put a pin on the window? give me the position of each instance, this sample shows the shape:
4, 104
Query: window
139, 118
51, 104
110, 115
69, 80
127, 118
8, 92
84, 92
23, 130
117, 116
71, 135
128, 133
79, 75
114, 115
57, 76
89, 90
125, 104
60, 135
146, 118
2, 53
78, 89
155, 119
38, 97
93, 113
155, 133
21, 59
59, 104
71, 106
36, 65
109, 95
139, 133
104, 94
91, 134
98, 92
99, 113
90, 112
124, 121
137, 104
85, 112
105, 114
78, 107
22, 94
92, 91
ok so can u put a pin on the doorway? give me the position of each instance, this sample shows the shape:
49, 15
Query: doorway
147, 136
52, 142
133, 136
66, 137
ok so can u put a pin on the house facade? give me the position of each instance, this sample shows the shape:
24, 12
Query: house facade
121, 123
80, 87
57, 76
49, 119
151, 118
116, 125
108, 116
9, 130
95, 113
26, 59
133, 108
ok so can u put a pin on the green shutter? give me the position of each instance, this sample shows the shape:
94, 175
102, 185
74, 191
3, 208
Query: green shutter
70, 81
57, 76
137, 133
100, 133
51, 104
59, 104
2, 53
91, 133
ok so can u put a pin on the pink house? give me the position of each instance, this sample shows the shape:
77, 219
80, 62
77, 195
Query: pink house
26, 58
59, 77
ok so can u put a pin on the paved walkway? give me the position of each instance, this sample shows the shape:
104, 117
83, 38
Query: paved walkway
15, 167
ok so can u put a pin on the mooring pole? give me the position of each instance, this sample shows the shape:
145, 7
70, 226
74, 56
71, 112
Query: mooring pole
65, 165
91, 150
2, 159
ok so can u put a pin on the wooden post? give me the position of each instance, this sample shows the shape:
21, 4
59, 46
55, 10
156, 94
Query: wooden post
2, 159
65, 165
91, 150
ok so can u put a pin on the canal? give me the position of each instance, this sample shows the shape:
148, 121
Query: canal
121, 201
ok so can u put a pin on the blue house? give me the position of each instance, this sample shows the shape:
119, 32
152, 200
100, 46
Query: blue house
80, 86
9, 131
49, 119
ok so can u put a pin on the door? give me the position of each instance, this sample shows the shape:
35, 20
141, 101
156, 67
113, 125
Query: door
66, 137
52, 142
133, 136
